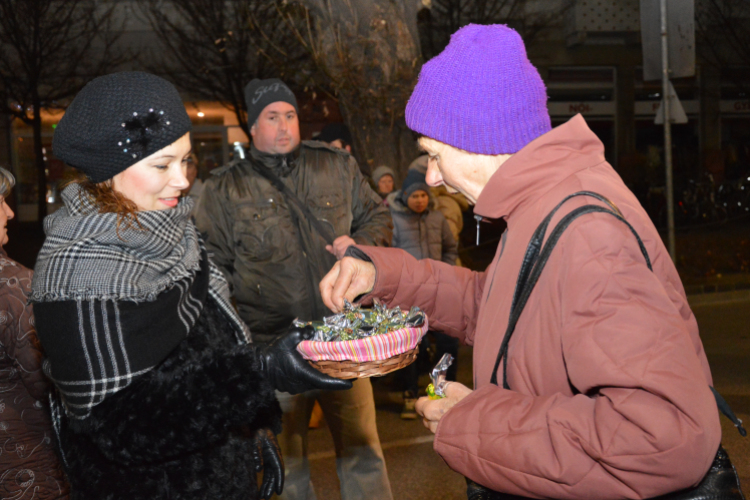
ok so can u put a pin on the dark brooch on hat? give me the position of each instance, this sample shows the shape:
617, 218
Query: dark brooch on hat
140, 130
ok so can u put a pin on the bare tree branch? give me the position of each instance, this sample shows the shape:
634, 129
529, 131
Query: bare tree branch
50, 50
367, 55
723, 32
528, 17
213, 48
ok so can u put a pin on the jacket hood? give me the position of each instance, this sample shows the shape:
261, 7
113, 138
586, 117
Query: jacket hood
539, 166
441, 190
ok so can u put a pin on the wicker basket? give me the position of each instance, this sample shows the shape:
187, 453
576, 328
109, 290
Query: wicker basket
354, 369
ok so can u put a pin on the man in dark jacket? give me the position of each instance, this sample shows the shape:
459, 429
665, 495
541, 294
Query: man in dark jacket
274, 256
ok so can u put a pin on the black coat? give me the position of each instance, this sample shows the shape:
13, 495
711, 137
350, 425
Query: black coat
182, 430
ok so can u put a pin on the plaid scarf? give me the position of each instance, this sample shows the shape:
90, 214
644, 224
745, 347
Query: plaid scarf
100, 296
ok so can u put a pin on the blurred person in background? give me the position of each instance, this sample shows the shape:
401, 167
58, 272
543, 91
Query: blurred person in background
336, 135
420, 229
339, 136
195, 187
385, 181
29, 467
451, 203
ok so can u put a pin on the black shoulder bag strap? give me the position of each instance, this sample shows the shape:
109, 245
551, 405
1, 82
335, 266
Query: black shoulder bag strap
536, 258
721, 475
274, 179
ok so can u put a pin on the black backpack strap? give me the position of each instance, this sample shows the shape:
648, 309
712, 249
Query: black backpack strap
271, 177
727, 411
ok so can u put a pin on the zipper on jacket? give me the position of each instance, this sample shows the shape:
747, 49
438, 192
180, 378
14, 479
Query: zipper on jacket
479, 219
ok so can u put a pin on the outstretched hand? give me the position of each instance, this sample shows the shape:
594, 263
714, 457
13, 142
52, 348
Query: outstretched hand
432, 410
288, 371
347, 279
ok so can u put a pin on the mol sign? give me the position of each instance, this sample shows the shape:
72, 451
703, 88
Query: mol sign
586, 108
649, 108
735, 107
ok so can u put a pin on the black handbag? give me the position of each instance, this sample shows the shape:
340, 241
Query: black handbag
721, 481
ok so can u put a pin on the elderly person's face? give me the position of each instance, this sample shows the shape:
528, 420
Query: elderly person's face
458, 170
6, 214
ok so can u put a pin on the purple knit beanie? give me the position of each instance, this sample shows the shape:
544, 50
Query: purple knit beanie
481, 94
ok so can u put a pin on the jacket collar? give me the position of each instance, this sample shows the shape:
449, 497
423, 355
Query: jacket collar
280, 164
538, 167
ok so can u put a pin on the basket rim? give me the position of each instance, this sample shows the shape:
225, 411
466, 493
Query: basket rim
348, 347
348, 369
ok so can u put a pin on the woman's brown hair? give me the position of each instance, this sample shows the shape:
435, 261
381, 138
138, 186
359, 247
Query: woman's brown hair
104, 196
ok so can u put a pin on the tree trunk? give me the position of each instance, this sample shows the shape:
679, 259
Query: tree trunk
368, 51
39, 160
377, 143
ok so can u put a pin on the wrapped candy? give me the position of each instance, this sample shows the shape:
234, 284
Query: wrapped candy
356, 323
436, 390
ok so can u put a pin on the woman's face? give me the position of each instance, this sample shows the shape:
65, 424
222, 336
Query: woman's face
155, 182
6, 214
385, 184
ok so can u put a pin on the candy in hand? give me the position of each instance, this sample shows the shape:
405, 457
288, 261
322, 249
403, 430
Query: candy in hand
436, 390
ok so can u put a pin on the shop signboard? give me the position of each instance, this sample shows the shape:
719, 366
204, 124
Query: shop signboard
586, 108
650, 108
735, 107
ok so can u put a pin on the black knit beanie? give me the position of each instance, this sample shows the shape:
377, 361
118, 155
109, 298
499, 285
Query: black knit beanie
334, 131
116, 121
415, 180
261, 93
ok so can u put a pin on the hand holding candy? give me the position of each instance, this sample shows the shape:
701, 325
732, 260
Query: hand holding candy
432, 411
436, 390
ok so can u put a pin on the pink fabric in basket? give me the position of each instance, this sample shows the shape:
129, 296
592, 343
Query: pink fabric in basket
375, 348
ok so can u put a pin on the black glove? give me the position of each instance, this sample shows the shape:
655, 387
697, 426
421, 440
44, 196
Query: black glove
288, 371
268, 459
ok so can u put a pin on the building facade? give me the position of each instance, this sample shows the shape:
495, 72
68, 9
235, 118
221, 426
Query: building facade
591, 61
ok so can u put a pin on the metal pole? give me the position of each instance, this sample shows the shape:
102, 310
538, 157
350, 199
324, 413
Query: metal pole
667, 129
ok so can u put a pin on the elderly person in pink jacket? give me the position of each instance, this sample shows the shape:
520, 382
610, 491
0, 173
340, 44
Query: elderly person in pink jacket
604, 389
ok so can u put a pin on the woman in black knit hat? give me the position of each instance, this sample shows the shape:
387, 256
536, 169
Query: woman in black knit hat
159, 392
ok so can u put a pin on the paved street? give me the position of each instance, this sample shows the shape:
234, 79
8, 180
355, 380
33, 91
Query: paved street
417, 473
725, 329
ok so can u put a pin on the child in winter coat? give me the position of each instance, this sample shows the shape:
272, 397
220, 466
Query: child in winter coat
418, 227
423, 231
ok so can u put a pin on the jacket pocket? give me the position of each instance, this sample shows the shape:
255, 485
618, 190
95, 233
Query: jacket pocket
329, 208
259, 230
